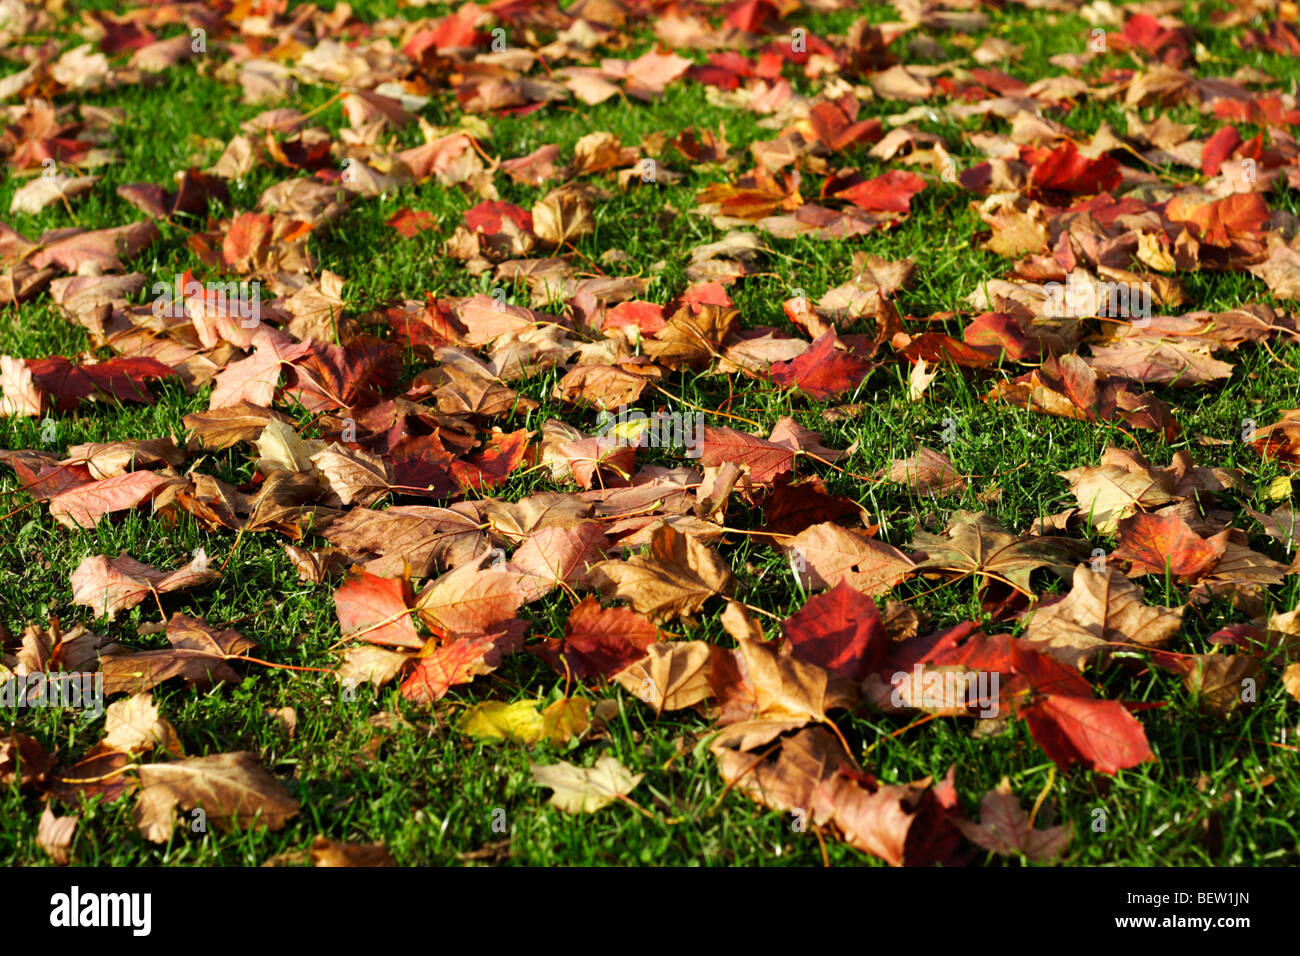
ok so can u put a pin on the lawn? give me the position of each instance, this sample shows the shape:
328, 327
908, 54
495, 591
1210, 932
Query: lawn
402, 765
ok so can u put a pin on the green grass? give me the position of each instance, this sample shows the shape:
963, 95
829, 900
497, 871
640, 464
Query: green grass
379, 769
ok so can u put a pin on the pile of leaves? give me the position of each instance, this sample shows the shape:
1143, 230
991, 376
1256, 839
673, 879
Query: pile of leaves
383, 442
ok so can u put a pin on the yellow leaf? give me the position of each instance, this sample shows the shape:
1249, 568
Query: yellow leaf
1279, 489
567, 717
494, 720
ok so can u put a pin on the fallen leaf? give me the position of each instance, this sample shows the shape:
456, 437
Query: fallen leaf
586, 789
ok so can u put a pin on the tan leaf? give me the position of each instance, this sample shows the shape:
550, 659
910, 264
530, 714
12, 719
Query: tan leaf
787, 688
674, 580
355, 475
231, 788
110, 585
830, 554
1004, 828
1102, 608
976, 544
1291, 680
671, 676
586, 789
135, 725
1116, 489
370, 664
42, 191
54, 835
223, 427
926, 472
562, 216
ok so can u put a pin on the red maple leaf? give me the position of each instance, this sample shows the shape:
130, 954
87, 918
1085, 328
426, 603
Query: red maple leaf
408, 222
491, 467
1156, 543
891, 192
823, 371
598, 641
840, 630
1067, 170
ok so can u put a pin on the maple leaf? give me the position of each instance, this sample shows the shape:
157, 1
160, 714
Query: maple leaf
1224, 221
419, 536
246, 240
1117, 488
875, 821
1102, 608
324, 376
327, 852
672, 676
838, 130
41, 192
692, 336
232, 789
496, 720
586, 789
23, 760
1164, 544
459, 662
1066, 169
409, 223
100, 772
674, 580
54, 835
794, 506
840, 630
82, 506
350, 475
101, 250
1281, 270
1004, 828
784, 777
763, 460
598, 641
823, 371
1160, 362
891, 192
377, 610
1218, 148
562, 216
1216, 681
787, 688
469, 600
556, 556
1101, 734
368, 664
110, 585
926, 472
831, 555
252, 381
135, 725
491, 467
229, 425
120, 378
975, 544
106, 459
198, 654
1241, 569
